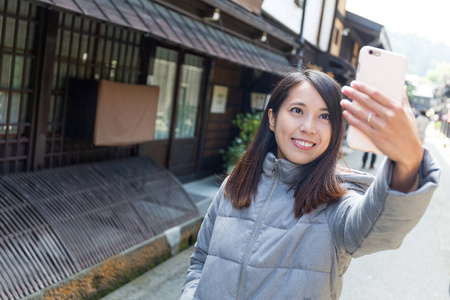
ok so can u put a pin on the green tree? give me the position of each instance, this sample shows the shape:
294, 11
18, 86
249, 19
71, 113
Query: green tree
409, 91
440, 73
248, 125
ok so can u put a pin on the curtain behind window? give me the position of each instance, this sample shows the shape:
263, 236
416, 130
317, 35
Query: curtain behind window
189, 96
164, 74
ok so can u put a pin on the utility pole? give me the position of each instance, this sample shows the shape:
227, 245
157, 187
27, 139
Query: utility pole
302, 42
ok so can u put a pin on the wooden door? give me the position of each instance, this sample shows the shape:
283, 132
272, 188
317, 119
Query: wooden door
185, 133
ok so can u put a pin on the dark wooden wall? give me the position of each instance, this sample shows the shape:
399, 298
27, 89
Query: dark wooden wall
219, 128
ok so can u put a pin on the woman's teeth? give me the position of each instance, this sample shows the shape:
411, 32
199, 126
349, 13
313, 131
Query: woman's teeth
303, 143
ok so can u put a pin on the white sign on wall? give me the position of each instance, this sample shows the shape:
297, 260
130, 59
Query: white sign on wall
219, 99
259, 101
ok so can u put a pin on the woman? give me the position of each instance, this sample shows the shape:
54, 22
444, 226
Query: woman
285, 224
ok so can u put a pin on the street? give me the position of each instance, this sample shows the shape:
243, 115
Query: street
419, 269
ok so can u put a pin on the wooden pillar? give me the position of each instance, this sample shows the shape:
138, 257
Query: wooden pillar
205, 108
175, 106
47, 36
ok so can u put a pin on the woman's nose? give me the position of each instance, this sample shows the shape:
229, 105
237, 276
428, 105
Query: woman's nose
308, 126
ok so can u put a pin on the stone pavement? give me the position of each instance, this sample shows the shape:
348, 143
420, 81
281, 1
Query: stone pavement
164, 282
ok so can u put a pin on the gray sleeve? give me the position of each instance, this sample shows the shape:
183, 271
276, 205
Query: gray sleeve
198, 258
380, 218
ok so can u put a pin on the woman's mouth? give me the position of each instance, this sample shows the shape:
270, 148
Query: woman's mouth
303, 144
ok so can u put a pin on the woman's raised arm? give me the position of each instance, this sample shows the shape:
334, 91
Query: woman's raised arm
391, 127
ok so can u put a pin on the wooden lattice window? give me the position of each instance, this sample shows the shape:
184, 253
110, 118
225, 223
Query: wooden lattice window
88, 49
18, 25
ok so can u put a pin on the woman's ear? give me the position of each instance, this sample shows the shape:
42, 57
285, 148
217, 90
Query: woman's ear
271, 120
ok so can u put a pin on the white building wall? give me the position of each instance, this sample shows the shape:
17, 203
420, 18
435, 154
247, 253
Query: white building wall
289, 14
285, 12
312, 21
327, 24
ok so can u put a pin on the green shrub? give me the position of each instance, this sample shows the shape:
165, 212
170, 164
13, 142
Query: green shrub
438, 125
248, 125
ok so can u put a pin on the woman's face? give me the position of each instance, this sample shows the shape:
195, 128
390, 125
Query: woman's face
302, 126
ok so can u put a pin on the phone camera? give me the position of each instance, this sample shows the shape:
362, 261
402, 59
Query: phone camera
370, 52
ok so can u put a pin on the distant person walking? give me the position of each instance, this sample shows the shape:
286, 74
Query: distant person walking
422, 124
372, 160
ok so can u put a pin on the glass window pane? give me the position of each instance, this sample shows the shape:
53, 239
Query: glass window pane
33, 11
12, 6
18, 72
189, 95
72, 71
81, 71
138, 39
3, 108
9, 32
135, 59
6, 71
62, 75
118, 34
30, 45
129, 56
86, 25
91, 48
65, 44
27, 83
50, 109
22, 36
67, 20
110, 31
55, 78
74, 47
15, 107
84, 48
59, 109
58, 40
26, 109
77, 23
164, 74
24, 9
107, 52
1, 21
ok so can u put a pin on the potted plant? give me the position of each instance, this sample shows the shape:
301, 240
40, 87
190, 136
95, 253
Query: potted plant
248, 125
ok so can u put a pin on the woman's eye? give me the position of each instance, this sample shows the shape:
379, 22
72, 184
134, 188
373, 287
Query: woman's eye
325, 116
296, 110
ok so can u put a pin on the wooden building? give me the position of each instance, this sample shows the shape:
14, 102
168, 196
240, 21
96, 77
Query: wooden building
195, 51
178, 46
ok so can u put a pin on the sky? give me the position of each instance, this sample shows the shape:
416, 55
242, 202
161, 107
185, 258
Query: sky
429, 19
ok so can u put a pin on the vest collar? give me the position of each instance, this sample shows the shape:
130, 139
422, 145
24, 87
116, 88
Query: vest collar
287, 170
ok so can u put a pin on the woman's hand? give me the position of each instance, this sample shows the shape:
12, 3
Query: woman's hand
391, 127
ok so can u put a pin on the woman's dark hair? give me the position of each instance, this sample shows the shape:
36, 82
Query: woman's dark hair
318, 182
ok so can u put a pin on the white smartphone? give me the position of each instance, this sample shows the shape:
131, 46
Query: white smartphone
384, 70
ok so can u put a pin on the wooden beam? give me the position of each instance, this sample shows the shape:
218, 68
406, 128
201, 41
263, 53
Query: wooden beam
48, 34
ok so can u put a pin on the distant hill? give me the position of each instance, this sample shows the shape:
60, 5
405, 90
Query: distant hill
422, 54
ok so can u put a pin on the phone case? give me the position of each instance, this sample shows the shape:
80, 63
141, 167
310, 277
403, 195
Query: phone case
384, 70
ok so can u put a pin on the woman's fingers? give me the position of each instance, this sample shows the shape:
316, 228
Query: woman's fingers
364, 100
362, 118
407, 105
372, 93
385, 121
363, 106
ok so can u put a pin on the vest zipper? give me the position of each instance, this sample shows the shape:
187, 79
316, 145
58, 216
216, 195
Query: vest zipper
275, 170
